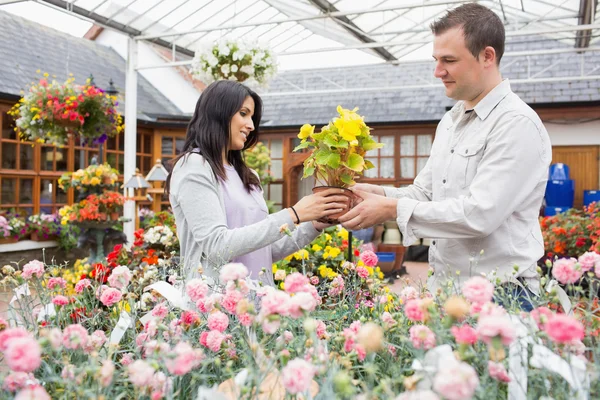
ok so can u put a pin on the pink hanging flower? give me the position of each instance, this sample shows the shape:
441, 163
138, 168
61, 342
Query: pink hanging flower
422, 337
297, 376
564, 329
456, 381
491, 327
34, 267
23, 354
369, 258
465, 334
567, 270
233, 272
110, 296
218, 321
196, 289
478, 290
498, 372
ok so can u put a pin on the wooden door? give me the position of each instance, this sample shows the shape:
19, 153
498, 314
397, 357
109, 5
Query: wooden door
583, 167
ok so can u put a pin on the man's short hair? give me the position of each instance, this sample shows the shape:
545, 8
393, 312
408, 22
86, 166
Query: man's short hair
480, 25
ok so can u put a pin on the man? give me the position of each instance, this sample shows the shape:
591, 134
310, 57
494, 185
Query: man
479, 194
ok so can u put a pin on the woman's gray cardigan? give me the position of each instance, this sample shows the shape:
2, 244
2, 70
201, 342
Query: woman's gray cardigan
199, 209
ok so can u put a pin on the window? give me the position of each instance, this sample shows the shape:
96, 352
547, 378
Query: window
170, 146
383, 159
414, 153
274, 190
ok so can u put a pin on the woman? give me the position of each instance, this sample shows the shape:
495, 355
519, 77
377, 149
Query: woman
217, 200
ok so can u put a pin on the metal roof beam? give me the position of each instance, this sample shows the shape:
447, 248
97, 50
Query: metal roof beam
587, 10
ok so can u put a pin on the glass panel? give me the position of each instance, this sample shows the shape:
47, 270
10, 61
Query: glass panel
277, 148
26, 191
407, 167
61, 159
388, 149
121, 141
407, 145
276, 192
93, 158
147, 143
9, 156
277, 169
179, 142
111, 143
421, 163
61, 196
146, 164
387, 168
26, 159
167, 145
47, 162
7, 128
46, 187
120, 164
26, 210
79, 156
373, 172
111, 158
423, 145
9, 191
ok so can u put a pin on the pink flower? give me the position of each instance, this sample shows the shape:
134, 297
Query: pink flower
567, 270
119, 277
34, 267
218, 321
245, 319
140, 373
422, 337
456, 381
110, 296
35, 392
408, 293
16, 380
299, 304
97, 339
196, 289
321, 329
297, 376
231, 300
295, 282
126, 359
60, 300
388, 320
478, 290
106, 373
160, 311
233, 272
11, 333
564, 329
336, 287
190, 318
465, 334
275, 302
54, 282
23, 354
314, 280
82, 284
183, 359
207, 304
202, 339
418, 395
414, 311
541, 315
498, 372
362, 272
75, 337
589, 260
369, 258
490, 327
214, 340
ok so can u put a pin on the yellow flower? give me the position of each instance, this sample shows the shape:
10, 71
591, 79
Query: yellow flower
349, 124
306, 131
301, 254
316, 247
334, 252
274, 268
94, 181
327, 237
343, 233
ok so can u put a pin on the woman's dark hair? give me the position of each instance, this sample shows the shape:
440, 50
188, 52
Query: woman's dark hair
208, 133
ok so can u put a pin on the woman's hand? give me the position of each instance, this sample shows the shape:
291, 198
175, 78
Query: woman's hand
319, 205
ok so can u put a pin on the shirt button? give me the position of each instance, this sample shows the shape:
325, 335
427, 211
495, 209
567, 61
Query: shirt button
444, 181
452, 151
466, 151
433, 242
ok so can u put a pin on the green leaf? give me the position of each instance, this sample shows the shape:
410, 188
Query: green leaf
308, 172
333, 160
369, 164
347, 179
331, 142
322, 156
303, 145
370, 144
355, 162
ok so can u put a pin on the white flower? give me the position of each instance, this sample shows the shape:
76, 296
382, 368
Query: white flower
224, 49
225, 69
234, 68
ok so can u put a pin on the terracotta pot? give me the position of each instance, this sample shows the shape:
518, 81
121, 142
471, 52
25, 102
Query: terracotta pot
8, 240
350, 201
114, 216
67, 123
35, 236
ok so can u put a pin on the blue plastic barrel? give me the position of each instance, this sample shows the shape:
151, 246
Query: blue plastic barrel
590, 196
386, 257
559, 171
560, 193
550, 211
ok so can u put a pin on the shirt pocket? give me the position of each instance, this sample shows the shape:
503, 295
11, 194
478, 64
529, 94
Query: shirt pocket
469, 156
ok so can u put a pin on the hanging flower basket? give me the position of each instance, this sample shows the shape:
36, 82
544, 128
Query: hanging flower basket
50, 112
252, 64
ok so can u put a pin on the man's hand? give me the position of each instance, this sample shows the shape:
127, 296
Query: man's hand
371, 210
369, 188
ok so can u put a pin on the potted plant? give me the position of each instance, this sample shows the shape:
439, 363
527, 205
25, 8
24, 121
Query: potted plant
43, 226
240, 61
338, 153
94, 179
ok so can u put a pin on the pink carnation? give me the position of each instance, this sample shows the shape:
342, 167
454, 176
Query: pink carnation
297, 376
16, 380
498, 371
106, 373
336, 287
490, 327
97, 339
414, 310
110, 296
23, 354
82, 284
231, 300
564, 329
11, 333
465, 334
362, 272
567, 270
54, 282
119, 277
299, 304
214, 340
314, 280
160, 311
35, 392
478, 290
207, 304
218, 321
321, 329
183, 359
60, 300
295, 282
275, 302
245, 319
589, 260
369, 258
541, 315
456, 381
75, 337
126, 359
422, 337
233, 272
196, 289
140, 373
388, 320
408, 293
190, 318
34, 267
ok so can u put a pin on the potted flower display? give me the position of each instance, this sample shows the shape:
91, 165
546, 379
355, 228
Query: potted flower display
43, 226
49, 112
338, 153
93, 179
251, 64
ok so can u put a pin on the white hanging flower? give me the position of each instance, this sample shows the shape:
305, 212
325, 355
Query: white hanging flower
234, 68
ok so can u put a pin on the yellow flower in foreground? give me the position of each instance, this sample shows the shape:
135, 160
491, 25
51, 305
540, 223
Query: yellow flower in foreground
316, 247
94, 181
343, 233
306, 131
